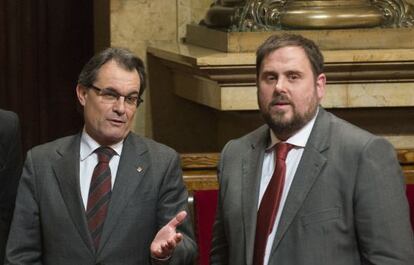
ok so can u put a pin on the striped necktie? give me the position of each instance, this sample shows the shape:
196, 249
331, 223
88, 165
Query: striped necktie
99, 193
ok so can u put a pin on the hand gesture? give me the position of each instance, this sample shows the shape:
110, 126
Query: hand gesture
167, 238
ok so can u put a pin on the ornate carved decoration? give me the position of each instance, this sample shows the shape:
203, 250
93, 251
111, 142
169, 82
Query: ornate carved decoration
268, 15
397, 13
259, 15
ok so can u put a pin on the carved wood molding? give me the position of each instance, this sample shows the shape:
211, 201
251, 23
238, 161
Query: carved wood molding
200, 169
199, 161
406, 159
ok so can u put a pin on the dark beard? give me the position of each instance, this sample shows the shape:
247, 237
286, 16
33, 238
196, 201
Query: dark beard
285, 129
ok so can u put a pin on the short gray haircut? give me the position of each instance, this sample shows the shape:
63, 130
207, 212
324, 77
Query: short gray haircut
123, 57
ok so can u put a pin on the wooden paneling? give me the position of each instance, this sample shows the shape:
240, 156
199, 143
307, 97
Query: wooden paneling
200, 169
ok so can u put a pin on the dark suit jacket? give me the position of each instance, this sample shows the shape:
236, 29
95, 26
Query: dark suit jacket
346, 204
50, 227
10, 170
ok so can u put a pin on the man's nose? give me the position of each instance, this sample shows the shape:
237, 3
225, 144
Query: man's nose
119, 105
280, 85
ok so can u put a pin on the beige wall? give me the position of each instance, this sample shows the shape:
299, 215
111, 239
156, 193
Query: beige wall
136, 24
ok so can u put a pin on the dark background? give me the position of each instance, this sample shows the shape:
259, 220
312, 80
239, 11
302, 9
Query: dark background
43, 46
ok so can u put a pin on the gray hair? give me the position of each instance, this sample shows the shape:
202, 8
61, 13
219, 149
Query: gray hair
123, 57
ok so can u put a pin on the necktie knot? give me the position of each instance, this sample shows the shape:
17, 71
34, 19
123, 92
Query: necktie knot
105, 154
282, 149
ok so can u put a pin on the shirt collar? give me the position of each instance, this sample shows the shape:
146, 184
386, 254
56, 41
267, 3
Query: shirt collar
299, 139
88, 145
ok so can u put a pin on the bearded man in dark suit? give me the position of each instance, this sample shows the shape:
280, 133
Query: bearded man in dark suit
307, 188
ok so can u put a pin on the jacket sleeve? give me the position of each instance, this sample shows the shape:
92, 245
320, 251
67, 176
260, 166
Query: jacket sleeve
381, 210
10, 171
173, 198
10, 164
24, 245
219, 245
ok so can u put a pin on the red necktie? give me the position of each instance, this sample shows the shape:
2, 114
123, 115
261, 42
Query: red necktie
270, 203
99, 193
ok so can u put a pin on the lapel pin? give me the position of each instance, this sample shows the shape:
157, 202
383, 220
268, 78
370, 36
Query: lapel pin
139, 169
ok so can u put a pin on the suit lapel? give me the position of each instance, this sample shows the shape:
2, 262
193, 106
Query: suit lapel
311, 163
67, 173
133, 165
251, 168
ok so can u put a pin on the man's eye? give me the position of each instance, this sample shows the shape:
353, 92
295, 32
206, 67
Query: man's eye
109, 94
270, 78
293, 77
131, 99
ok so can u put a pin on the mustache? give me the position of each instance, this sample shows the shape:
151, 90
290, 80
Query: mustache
280, 99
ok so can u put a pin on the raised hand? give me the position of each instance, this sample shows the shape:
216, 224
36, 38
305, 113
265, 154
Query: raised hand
167, 238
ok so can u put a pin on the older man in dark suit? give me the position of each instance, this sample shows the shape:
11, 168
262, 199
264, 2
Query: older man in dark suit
106, 195
10, 170
308, 188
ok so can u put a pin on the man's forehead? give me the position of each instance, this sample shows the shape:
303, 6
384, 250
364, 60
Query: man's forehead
290, 56
113, 66
112, 70
287, 52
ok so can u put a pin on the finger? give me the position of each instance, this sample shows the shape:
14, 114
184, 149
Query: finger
178, 237
178, 219
172, 243
158, 252
168, 247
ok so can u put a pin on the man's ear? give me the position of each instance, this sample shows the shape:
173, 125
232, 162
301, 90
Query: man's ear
320, 86
81, 93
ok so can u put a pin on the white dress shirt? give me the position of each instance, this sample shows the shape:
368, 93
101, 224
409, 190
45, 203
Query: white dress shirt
299, 141
88, 161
